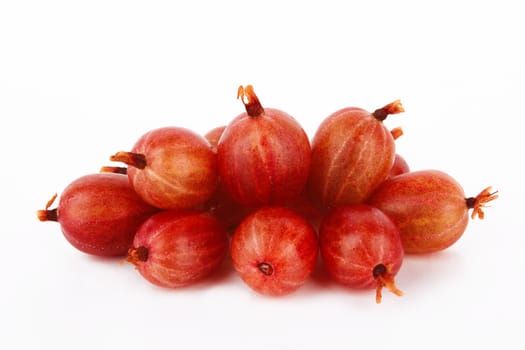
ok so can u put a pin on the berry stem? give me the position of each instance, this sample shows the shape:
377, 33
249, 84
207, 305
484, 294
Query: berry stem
136, 160
384, 279
48, 214
391, 108
250, 101
478, 203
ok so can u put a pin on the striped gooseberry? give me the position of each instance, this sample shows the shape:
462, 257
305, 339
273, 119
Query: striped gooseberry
361, 248
171, 168
429, 207
99, 213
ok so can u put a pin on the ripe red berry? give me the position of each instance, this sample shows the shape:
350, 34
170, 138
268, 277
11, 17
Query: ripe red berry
175, 248
263, 154
429, 207
171, 168
274, 250
352, 153
361, 248
99, 213
399, 167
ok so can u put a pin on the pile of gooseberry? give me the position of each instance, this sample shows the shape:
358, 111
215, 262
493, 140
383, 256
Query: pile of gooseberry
258, 191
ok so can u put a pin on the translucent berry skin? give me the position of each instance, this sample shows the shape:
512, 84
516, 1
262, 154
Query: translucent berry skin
177, 248
360, 246
352, 153
428, 206
274, 250
263, 155
176, 168
99, 214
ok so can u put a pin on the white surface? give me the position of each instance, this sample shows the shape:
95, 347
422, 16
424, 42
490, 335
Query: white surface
79, 82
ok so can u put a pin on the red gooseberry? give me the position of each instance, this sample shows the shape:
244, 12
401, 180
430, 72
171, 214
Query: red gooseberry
178, 248
429, 207
263, 154
171, 168
352, 153
361, 248
399, 167
274, 250
99, 213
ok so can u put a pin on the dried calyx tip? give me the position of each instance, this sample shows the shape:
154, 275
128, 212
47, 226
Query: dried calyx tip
136, 160
266, 268
396, 132
250, 100
478, 203
391, 108
48, 214
114, 169
384, 279
137, 254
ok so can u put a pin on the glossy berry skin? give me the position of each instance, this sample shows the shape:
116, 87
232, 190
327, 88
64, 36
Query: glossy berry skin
263, 155
171, 168
429, 207
361, 247
352, 153
177, 248
274, 250
99, 214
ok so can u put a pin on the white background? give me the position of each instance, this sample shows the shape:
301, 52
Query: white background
80, 80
